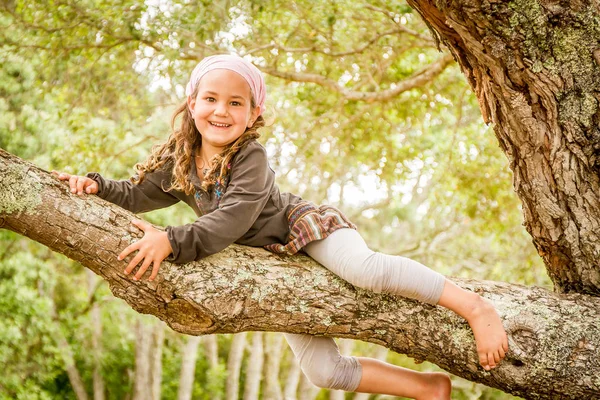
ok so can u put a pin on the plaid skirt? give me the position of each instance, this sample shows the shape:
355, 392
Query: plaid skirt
308, 223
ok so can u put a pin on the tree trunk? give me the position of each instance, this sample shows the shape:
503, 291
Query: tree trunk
234, 363
70, 367
273, 354
255, 367
66, 354
98, 378
535, 67
292, 380
211, 347
158, 338
141, 381
554, 338
188, 367
212, 350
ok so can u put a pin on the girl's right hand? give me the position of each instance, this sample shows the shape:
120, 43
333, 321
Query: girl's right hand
78, 184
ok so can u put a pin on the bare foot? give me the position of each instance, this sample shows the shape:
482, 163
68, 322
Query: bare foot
490, 336
439, 387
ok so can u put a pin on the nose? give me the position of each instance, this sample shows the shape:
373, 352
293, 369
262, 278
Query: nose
220, 109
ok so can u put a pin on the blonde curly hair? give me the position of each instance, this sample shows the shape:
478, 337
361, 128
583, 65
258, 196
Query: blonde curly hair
180, 148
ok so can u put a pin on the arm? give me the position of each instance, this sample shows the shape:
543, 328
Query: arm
250, 185
146, 196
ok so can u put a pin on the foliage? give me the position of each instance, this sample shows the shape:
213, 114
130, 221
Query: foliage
90, 85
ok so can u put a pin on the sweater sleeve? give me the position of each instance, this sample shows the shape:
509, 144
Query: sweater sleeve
250, 185
146, 196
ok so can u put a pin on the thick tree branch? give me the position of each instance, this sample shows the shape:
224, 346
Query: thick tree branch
418, 79
554, 339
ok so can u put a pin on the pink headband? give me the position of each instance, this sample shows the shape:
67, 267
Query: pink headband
236, 64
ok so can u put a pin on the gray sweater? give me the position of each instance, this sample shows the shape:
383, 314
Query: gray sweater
247, 208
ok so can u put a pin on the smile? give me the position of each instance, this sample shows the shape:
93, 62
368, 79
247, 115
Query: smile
220, 125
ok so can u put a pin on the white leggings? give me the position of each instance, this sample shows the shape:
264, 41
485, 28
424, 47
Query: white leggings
345, 253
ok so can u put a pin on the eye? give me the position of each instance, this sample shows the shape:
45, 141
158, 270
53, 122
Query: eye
210, 99
236, 103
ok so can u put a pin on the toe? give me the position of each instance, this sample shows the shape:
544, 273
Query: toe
483, 360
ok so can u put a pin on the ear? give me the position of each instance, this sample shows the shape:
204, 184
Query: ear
253, 116
191, 102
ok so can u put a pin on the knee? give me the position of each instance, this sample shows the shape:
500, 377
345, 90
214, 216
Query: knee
333, 372
372, 274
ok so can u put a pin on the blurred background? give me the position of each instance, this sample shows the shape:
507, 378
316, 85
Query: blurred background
364, 113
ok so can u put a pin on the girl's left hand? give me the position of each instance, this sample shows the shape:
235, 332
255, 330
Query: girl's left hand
153, 248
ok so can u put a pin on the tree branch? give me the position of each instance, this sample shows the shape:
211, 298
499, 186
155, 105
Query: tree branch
418, 79
553, 350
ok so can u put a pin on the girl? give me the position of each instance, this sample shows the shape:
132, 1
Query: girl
214, 164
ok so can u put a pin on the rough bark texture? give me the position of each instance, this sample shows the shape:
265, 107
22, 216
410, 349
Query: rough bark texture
554, 338
535, 67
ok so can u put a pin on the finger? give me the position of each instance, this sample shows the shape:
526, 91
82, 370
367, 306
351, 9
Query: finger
92, 187
143, 268
136, 260
61, 175
80, 182
143, 225
73, 183
154, 270
127, 250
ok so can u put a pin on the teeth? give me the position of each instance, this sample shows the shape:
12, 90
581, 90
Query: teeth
219, 125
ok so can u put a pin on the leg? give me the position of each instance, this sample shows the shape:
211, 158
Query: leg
322, 363
490, 336
346, 254
382, 378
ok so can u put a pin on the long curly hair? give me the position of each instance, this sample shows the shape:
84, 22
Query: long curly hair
181, 146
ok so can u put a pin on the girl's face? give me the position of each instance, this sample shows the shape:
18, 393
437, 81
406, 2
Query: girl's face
222, 109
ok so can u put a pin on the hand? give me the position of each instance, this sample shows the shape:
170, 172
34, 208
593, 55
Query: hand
78, 184
153, 248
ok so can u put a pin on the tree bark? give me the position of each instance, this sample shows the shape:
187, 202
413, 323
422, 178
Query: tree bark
554, 338
234, 364
188, 367
535, 67
255, 367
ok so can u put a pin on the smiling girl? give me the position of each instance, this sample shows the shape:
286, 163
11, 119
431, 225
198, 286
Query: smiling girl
214, 163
